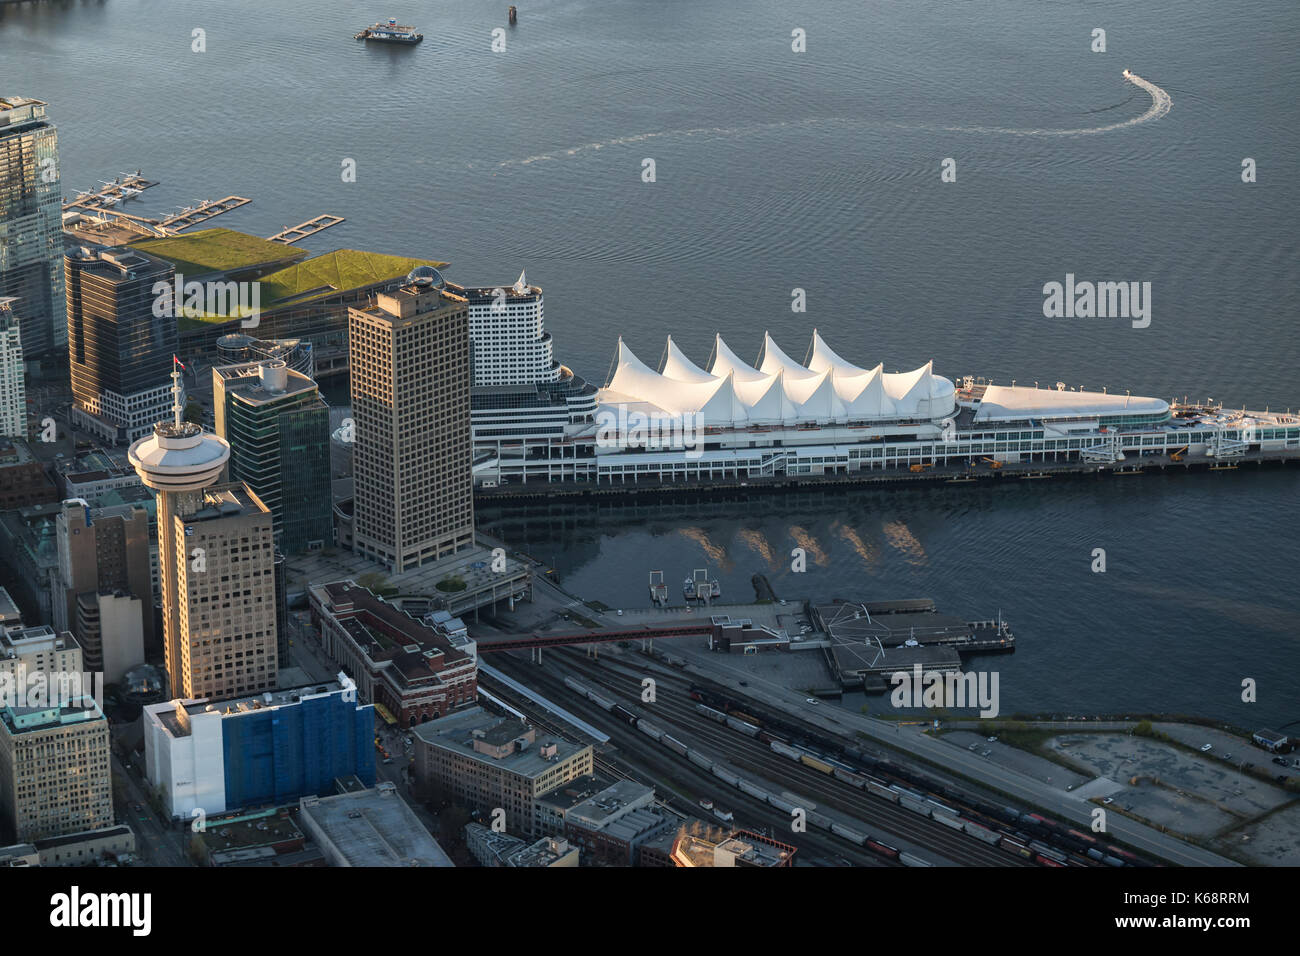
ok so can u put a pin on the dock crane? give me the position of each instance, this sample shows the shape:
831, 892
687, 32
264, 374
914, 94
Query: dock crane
1178, 455
992, 462
918, 468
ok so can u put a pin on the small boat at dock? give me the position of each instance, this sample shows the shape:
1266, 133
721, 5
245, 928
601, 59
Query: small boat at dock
390, 32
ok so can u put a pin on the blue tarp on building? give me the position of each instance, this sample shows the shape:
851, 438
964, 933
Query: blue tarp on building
282, 753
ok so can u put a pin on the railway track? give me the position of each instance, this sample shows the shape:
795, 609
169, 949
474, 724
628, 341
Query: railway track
661, 768
746, 753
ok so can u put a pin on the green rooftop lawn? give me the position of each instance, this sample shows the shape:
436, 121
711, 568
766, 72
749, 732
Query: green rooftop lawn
341, 270
217, 250
319, 277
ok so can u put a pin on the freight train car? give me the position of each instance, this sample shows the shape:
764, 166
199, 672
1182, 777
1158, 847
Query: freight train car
725, 775
1050, 852
757, 792
650, 730
880, 790
941, 807
947, 820
673, 744
853, 836
983, 834
622, 713
748, 729
909, 859
709, 712
818, 821
852, 779
785, 750
699, 759
808, 760
883, 849
780, 803
916, 806
1016, 847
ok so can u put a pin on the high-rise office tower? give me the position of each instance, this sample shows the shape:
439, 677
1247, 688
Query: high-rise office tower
507, 331
215, 561
54, 774
120, 352
278, 428
409, 360
226, 584
31, 224
105, 590
13, 390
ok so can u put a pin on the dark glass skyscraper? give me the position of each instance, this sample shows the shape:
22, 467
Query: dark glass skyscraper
279, 433
31, 227
120, 352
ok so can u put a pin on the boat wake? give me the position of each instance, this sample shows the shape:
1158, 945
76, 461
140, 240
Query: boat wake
640, 138
1161, 103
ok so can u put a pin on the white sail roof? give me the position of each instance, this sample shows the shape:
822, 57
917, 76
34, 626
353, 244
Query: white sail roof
734, 394
725, 360
775, 360
678, 367
823, 358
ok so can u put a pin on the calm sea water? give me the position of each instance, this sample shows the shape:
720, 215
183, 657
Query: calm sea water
819, 170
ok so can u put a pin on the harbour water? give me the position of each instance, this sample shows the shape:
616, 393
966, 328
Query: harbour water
820, 171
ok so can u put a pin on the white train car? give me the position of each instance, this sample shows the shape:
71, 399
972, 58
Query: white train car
946, 819
699, 759
725, 775
757, 792
785, 750
673, 744
853, 836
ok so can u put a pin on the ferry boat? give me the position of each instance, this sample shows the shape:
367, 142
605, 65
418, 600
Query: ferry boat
390, 32
698, 587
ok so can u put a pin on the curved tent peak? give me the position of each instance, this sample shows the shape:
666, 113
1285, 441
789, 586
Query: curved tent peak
775, 360
815, 400
850, 386
680, 368
823, 357
725, 360
911, 391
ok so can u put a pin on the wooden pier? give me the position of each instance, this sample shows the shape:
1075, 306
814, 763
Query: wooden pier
202, 213
304, 229
110, 194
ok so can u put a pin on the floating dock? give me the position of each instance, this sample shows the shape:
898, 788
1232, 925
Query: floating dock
658, 589
202, 213
111, 194
304, 229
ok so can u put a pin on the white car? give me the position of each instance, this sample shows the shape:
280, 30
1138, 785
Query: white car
812, 700
1206, 749
993, 740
